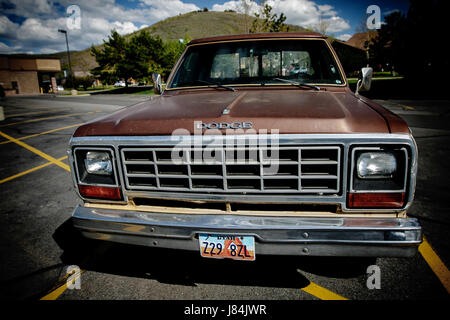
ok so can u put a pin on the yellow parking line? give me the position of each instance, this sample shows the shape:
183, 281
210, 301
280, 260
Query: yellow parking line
42, 133
34, 112
322, 293
48, 118
30, 170
36, 151
435, 263
54, 294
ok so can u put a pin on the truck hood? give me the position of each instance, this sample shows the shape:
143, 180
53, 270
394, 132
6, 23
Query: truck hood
289, 111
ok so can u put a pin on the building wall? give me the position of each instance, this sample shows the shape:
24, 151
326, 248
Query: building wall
4, 63
48, 65
27, 81
22, 64
24, 72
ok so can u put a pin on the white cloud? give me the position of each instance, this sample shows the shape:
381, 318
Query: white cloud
39, 35
41, 6
250, 8
102, 26
344, 37
7, 28
326, 10
124, 27
304, 13
162, 9
337, 24
27, 8
39, 31
5, 49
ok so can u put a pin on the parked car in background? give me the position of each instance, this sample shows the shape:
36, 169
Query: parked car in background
120, 84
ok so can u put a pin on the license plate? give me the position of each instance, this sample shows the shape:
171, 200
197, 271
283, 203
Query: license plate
227, 246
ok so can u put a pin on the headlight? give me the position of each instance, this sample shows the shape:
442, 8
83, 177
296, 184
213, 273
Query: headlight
98, 162
95, 173
95, 166
376, 165
379, 177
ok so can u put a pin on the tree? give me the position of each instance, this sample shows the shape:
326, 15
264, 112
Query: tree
388, 48
268, 22
111, 56
85, 82
144, 55
136, 58
245, 10
413, 43
321, 26
369, 34
173, 49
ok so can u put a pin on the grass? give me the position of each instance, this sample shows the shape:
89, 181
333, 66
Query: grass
355, 80
104, 88
99, 88
382, 73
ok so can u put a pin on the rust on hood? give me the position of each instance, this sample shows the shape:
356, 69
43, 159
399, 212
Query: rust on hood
289, 110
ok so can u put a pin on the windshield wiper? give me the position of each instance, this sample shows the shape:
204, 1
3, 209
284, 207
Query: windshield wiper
299, 84
215, 84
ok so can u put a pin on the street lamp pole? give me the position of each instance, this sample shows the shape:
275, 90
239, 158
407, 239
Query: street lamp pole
68, 54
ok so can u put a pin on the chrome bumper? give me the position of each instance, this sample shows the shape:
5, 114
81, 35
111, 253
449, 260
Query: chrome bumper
313, 236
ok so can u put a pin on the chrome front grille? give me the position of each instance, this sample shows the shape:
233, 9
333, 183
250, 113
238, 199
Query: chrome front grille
300, 170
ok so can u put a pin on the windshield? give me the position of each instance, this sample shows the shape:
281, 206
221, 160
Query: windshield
257, 62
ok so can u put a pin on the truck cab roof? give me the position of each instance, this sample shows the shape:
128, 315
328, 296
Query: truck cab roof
258, 36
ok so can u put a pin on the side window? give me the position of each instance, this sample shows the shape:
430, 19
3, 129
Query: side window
188, 70
329, 68
225, 66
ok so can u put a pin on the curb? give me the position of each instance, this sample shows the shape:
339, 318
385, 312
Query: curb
70, 95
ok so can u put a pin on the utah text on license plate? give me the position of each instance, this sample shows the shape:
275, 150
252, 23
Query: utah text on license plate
237, 247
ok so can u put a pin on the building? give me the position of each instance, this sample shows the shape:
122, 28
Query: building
28, 75
362, 39
352, 58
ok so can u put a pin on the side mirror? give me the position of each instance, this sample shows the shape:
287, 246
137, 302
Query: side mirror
365, 81
157, 85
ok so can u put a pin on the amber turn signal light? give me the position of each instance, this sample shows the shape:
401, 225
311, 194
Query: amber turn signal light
376, 200
109, 193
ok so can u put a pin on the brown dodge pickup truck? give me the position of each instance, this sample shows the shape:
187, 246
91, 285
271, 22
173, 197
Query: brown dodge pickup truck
255, 146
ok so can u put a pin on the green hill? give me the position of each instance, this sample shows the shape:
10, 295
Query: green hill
204, 24
192, 24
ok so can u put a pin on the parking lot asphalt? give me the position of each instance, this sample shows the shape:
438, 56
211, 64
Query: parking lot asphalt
38, 198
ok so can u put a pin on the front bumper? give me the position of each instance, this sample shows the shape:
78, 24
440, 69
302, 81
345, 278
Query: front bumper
297, 236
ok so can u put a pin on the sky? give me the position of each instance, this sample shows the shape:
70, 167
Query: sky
31, 26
